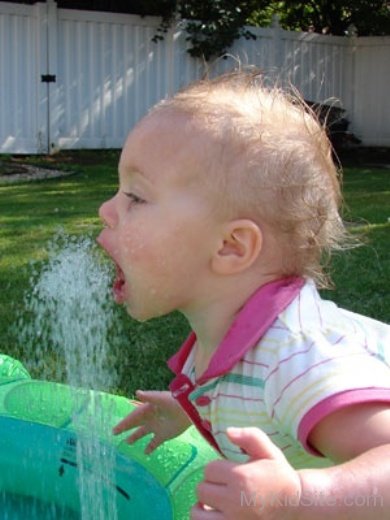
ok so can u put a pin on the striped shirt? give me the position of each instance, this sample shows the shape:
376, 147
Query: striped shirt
288, 360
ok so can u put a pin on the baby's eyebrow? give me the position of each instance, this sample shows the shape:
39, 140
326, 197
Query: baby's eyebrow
128, 172
133, 174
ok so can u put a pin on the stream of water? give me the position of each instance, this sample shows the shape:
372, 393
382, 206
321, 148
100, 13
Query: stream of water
69, 326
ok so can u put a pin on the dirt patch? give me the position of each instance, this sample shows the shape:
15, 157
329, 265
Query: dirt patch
22, 168
26, 173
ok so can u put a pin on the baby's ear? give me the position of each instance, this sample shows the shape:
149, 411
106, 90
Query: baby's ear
239, 248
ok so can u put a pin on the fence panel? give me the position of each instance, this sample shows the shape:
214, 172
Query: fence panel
109, 72
19, 75
317, 65
371, 111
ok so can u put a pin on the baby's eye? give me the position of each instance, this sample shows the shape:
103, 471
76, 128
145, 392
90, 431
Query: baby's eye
134, 198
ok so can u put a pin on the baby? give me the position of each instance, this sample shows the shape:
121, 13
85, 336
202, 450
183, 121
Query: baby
228, 203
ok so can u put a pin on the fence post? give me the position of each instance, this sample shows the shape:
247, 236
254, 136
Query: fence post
48, 99
170, 43
350, 79
42, 135
52, 69
277, 57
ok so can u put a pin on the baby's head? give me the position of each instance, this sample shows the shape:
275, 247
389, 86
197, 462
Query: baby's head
267, 158
226, 185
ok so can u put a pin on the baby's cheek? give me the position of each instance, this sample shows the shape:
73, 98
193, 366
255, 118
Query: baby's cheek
132, 244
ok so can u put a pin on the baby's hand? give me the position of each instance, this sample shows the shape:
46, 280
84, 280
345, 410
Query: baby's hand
266, 487
158, 413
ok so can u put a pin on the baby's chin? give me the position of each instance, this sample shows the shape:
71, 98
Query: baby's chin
140, 317
142, 313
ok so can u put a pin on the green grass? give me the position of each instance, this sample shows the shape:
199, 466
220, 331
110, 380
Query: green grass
362, 275
31, 213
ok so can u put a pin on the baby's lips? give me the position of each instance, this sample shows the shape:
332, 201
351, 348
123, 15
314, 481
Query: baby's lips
104, 242
100, 239
119, 284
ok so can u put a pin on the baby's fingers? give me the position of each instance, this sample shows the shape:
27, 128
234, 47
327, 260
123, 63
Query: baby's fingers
135, 418
156, 397
153, 444
138, 434
141, 432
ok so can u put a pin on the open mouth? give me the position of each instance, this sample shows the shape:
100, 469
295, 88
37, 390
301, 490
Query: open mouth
119, 286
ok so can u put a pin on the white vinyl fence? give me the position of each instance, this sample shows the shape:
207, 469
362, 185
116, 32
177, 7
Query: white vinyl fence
81, 79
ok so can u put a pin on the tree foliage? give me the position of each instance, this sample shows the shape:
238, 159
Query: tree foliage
213, 25
323, 16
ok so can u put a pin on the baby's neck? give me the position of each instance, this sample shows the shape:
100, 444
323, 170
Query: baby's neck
212, 321
209, 333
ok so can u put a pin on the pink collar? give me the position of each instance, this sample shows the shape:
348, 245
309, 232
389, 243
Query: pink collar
254, 319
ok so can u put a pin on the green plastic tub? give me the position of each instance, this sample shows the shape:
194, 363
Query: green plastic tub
38, 454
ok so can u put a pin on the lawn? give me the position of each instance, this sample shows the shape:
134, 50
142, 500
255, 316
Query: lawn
31, 213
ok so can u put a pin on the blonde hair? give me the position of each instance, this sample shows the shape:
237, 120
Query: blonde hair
271, 162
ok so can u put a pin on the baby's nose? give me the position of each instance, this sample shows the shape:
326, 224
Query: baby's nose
107, 213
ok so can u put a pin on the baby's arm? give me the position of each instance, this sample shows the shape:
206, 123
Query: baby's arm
358, 438
158, 413
267, 487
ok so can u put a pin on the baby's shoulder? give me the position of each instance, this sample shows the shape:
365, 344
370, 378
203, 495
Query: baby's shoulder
309, 312
310, 323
